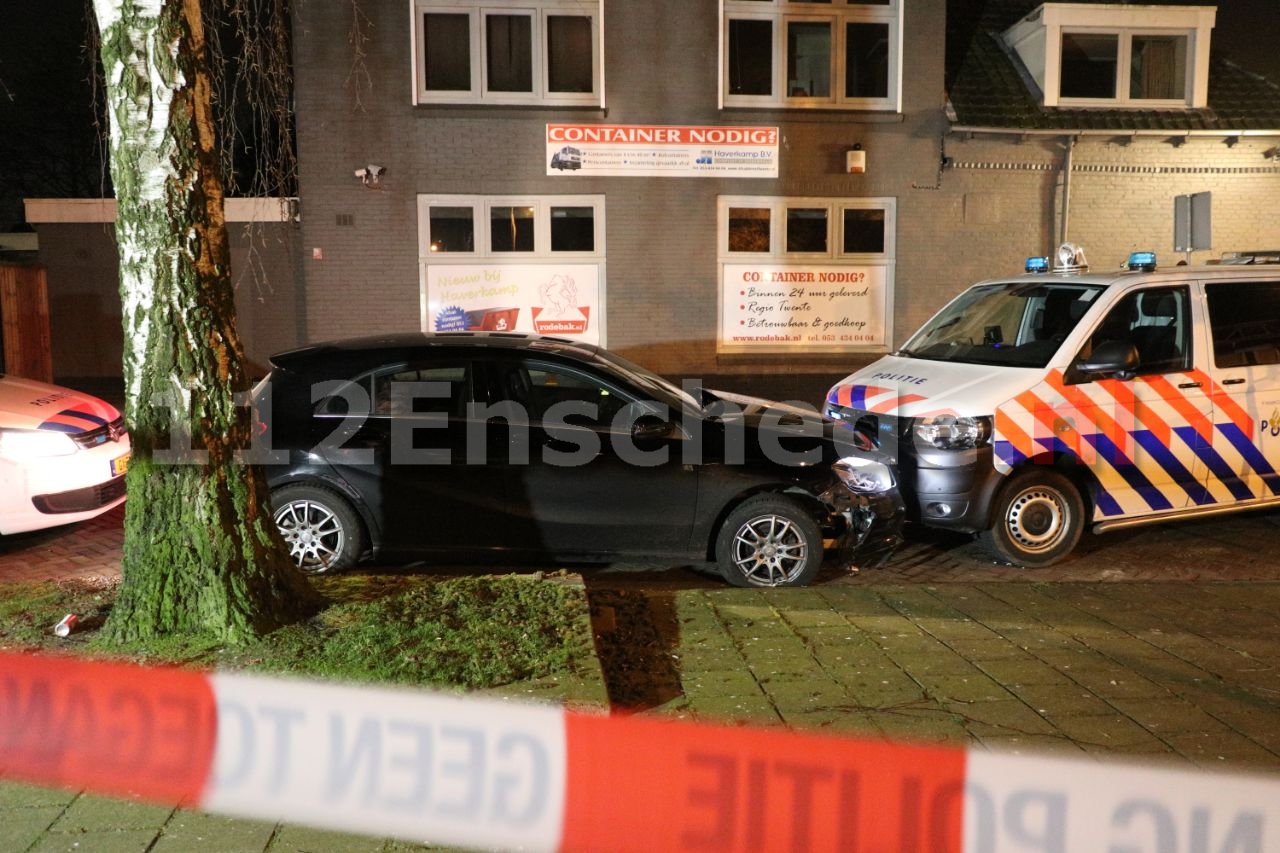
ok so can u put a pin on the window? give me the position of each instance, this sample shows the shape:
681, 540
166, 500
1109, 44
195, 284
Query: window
858, 228
1116, 56
518, 228
832, 54
1245, 319
528, 264
1157, 67
508, 52
1156, 321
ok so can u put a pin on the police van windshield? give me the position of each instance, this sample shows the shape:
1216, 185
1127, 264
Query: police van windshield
1018, 324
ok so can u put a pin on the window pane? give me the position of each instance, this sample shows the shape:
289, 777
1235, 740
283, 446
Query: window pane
750, 49
453, 229
748, 229
569, 56
1088, 66
808, 59
863, 230
1159, 67
1245, 319
511, 229
573, 229
806, 229
447, 48
866, 62
509, 52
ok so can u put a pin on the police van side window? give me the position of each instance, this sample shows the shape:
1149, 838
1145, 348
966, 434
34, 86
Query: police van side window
1156, 321
1245, 320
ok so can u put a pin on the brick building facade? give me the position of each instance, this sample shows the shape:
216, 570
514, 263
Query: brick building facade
970, 172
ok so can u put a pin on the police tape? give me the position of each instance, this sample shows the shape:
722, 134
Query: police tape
485, 773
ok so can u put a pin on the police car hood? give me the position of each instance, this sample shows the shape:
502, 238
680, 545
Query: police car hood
27, 404
915, 387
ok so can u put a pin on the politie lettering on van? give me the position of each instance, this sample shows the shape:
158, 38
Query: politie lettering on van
1031, 408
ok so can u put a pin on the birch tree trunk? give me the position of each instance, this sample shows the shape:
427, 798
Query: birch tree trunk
201, 552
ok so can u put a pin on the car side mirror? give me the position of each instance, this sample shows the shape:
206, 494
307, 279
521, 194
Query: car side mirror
1111, 357
650, 428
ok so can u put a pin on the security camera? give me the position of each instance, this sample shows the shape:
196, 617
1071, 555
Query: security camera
371, 175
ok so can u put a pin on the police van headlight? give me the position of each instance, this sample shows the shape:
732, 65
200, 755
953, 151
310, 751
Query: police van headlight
23, 444
952, 432
864, 475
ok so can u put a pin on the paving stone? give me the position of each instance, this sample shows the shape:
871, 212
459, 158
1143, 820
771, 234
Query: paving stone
188, 830
90, 813
96, 841
22, 827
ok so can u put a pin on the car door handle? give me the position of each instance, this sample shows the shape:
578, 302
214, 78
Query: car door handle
1190, 384
1236, 381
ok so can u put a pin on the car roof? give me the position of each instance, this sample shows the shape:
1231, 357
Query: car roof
1125, 277
374, 348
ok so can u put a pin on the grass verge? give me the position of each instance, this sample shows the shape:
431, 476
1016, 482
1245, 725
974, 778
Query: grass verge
464, 632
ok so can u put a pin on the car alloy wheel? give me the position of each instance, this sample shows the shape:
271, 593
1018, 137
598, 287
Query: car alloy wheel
320, 528
769, 540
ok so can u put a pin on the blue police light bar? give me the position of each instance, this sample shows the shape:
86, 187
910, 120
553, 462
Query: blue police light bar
1037, 264
1143, 261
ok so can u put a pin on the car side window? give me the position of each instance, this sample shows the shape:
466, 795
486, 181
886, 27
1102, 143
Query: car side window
539, 386
1245, 320
1156, 321
447, 392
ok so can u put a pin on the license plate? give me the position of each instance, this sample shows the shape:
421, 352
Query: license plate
119, 465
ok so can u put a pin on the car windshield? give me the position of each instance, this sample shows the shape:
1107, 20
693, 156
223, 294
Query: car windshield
1018, 324
662, 389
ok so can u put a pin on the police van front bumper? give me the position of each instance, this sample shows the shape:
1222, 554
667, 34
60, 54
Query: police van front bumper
951, 489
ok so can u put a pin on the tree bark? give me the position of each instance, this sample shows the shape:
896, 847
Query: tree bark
201, 552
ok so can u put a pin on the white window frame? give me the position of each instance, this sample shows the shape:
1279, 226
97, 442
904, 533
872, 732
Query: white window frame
778, 206
778, 258
538, 11
1124, 61
1037, 39
838, 13
481, 205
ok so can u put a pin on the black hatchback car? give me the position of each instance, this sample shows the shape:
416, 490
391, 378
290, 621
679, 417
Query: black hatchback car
452, 444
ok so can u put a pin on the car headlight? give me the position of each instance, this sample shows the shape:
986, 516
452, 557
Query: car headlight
864, 475
951, 432
22, 444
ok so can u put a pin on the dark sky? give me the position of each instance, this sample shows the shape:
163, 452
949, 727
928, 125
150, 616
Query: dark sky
1248, 32
45, 118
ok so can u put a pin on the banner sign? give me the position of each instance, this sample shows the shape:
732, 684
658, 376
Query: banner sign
662, 151
803, 308
544, 299
463, 770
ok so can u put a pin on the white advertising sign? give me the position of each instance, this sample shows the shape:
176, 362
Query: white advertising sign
662, 151
545, 299
802, 308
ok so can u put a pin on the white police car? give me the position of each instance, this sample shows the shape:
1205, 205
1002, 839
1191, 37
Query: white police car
63, 455
1032, 407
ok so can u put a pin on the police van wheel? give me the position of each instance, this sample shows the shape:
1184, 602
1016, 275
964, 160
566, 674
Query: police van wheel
1037, 520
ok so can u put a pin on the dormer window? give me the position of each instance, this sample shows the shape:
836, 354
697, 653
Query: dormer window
1109, 56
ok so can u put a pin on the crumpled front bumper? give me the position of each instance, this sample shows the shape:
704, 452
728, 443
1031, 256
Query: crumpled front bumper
870, 526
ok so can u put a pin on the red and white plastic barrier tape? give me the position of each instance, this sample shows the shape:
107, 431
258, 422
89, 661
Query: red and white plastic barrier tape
483, 773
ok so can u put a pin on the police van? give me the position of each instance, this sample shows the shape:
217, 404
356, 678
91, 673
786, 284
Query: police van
1033, 407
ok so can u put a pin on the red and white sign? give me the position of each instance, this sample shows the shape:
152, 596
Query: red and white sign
545, 299
803, 308
662, 150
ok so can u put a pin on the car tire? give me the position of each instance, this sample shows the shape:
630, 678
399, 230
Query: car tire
321, 529
769, 540
1037, 519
